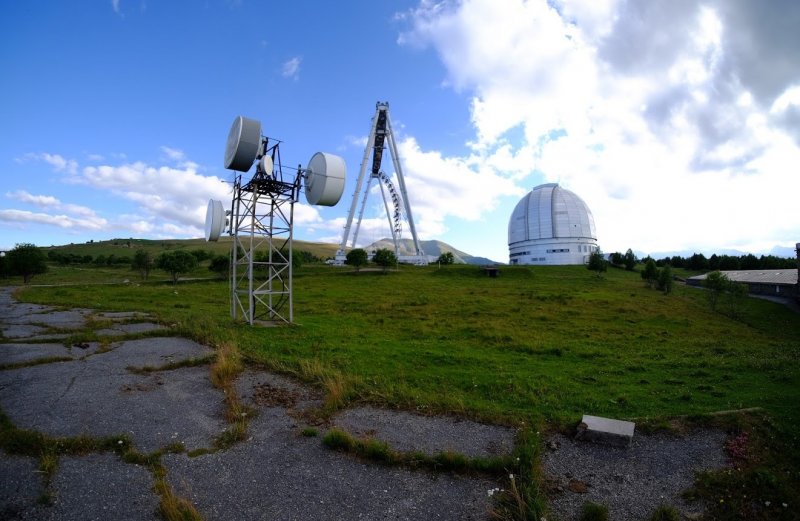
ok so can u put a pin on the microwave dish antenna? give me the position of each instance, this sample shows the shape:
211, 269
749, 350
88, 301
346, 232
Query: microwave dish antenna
244, 141
216, 220
261, 219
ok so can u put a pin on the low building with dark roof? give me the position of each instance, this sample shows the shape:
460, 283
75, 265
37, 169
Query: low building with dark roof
776, 283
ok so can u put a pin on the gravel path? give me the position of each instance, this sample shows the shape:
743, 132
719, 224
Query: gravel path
631, 481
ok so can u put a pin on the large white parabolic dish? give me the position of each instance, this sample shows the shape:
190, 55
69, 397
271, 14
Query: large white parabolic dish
244, 140
215, 220
325, 179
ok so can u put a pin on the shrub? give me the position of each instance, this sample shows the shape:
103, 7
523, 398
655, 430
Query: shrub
27, 260
175, 263
384, 258
356, 257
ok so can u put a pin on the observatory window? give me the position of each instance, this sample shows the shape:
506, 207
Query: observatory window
560, 250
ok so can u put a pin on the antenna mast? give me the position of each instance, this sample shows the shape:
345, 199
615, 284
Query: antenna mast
380, 136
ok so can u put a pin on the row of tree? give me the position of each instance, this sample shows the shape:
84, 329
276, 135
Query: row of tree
699, 262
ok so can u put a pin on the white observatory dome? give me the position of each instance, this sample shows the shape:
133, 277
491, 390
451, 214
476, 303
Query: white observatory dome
551, 225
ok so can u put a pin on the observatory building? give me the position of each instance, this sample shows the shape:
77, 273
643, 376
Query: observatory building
551, 226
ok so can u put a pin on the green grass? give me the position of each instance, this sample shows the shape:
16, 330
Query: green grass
542, 345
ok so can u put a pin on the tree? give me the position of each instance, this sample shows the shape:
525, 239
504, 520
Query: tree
221, 265
650, 272
142, 262
201, 255
356, 258
665, 279
697, 262
597, 263
629, 260
4, 271
446, 258
175, 263
27, 260
384, 258
616, 258
716, 282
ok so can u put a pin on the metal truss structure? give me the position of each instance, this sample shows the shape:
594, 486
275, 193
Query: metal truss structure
262, 214
380, 137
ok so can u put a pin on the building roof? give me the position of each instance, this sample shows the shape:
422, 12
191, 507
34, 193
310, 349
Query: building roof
788, 276
548, 212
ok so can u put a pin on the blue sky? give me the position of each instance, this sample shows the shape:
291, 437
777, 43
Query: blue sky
678, 122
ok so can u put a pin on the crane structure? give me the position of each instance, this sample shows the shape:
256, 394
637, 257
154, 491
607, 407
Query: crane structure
395, 200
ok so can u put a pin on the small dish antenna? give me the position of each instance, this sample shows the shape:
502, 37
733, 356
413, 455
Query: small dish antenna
215, 220
261, 217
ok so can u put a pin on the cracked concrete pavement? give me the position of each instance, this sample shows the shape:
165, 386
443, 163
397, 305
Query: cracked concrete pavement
276, 473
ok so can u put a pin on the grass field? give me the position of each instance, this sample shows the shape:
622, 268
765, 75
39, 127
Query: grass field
540, 345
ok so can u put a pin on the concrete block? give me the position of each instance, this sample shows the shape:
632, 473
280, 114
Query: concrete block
605, 430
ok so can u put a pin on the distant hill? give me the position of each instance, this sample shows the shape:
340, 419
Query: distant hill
432, 248
323, 250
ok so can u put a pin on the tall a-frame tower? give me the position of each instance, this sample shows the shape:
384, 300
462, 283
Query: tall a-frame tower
395, 201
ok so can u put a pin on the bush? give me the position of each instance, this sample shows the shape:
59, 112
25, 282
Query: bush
221, 265
665, 279
384, 258
176, 262
446, 258
26, 260
650, 272
597, 263
629, 260
356, 257
142, 262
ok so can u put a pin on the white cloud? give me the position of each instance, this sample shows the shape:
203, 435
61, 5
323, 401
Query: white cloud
48, 201
170, 201
291, 69
59, 163
61, 221
648, 111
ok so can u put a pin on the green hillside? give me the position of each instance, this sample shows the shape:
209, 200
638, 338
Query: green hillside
540, 345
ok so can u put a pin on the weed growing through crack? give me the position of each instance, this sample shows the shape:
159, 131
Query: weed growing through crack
665, 513
380, 452
525, 498
594, 512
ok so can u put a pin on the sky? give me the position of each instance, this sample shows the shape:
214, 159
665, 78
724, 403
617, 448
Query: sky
676, 121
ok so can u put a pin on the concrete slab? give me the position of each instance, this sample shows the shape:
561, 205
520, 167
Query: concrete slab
631, 481
136, 327
70, 319
408, 432
20, 487
279, 475
22, 353
21, 330
605, 430
100, 397
101, 487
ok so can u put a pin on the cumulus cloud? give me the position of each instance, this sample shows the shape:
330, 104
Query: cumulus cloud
176, 195
170, 201
674, 120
